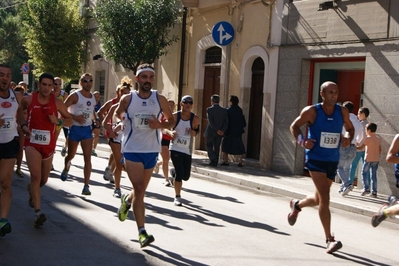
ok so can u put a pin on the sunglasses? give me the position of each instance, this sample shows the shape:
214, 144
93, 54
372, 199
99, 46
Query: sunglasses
56, 84
188, 102
87, 80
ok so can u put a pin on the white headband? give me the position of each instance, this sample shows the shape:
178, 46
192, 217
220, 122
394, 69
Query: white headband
145, 69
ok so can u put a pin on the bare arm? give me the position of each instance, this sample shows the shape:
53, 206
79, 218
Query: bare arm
195, 129
21, 114
67, 118
170, 120
348, 127
103, 110
123, 103
108, 117
393, 150
20, 111
73, 99
306, 117
65, 96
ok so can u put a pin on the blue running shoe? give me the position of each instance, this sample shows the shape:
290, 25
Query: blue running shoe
86, 190
64, 175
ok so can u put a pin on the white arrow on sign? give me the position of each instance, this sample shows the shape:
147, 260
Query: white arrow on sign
221, 36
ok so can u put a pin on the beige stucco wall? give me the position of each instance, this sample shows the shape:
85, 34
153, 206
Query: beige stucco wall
251, 23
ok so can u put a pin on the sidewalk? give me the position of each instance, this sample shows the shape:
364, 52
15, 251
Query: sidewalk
287, 185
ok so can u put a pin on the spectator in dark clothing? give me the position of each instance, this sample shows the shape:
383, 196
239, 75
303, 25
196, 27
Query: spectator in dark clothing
217, 125
232, 141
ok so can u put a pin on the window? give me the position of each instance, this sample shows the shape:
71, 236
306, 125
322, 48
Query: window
213, 55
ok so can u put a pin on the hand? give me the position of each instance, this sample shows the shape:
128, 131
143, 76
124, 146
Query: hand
53, 119
220, 133
26, 131
153, 122
79, 118
308, 143
345, 142
173, 134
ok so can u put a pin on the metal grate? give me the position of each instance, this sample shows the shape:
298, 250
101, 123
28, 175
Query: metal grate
213, 55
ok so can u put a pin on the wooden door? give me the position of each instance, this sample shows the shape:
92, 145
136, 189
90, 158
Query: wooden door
211, 86
255, 111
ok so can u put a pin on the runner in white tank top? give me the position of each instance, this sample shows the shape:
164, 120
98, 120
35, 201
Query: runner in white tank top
142, 142
10, 111
81, 106
187, 127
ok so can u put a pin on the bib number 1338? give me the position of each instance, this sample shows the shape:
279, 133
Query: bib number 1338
329, 140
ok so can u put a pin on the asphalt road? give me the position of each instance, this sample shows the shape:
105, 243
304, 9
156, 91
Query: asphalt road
219, 224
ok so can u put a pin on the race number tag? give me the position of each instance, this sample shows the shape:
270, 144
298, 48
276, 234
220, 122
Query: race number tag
329, 140
8, 124
141, 121
183, 141
41, 137
86, 114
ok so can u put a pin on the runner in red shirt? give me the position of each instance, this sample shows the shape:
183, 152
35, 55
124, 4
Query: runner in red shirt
42, 119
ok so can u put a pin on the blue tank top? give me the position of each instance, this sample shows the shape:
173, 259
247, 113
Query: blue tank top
97, 107
326, 130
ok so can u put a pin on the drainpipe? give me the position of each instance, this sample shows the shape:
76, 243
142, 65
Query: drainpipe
182, 54
227, 84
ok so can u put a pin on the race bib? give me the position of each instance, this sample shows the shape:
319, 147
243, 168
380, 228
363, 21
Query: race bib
86, 114
8, 124
182, 141
41, 137
329, 140
141, 121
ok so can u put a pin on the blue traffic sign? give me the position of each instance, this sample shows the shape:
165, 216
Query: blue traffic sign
25, 68
223, 33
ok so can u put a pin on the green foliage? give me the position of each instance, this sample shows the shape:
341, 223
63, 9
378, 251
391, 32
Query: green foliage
12, 51
136, 31
55, 37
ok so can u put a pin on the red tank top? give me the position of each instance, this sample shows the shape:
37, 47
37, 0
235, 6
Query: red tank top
40, 126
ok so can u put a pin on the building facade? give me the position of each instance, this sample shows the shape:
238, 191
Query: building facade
353, 43
240, 68
280, 54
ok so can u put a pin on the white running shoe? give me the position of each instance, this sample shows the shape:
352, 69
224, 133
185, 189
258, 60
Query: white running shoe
177, 201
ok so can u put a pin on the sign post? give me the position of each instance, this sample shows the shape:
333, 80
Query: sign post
25, 71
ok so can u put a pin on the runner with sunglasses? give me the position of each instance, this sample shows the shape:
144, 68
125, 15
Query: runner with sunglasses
81, 106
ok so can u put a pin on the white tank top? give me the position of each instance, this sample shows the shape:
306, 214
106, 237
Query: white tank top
183, 142
138, 137
9, 107
84, 106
